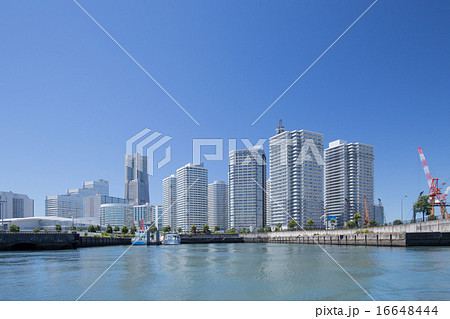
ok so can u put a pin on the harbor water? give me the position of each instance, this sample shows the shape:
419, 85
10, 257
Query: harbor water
228, 272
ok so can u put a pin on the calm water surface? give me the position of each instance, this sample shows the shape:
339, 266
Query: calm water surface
227, 272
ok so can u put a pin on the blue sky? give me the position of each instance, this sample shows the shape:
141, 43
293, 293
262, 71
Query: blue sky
70, 98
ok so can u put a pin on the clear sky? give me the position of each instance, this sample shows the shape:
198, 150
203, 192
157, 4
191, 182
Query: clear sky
70, 98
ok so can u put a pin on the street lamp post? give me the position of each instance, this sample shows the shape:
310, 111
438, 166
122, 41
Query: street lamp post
402, 205
1, 212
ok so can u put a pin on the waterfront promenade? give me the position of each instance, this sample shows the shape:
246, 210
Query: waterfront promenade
430, 233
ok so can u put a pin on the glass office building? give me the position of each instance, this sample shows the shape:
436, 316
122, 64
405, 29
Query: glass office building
116, 215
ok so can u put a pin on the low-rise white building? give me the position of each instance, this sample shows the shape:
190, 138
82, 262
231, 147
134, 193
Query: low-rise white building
44, 223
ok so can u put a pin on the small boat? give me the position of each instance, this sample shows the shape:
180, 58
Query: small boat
172, 239
140, 238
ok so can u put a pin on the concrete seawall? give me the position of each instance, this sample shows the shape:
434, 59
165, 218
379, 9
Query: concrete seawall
54, 241
430, 233
102, 241
211, 239
40, 241
392, 240
442, 226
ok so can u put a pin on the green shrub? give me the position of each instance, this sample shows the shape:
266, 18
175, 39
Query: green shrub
351, 224
14, 229
292, 224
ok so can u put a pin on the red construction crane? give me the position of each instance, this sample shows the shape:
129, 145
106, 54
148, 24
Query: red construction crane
366, 211
435, 192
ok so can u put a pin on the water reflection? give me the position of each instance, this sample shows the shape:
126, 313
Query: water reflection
227, 272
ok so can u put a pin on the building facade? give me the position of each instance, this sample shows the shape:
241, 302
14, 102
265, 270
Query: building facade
268, 204
192, 196
247, 184
349, 175
218, 205
379, 214
101, 186
91, 206
296, 177
136, 179
169, 201
116, 215
14, 205
143, 213
71, 204
157, 213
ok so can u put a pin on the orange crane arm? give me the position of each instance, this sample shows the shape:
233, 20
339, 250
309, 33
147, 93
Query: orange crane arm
366, 217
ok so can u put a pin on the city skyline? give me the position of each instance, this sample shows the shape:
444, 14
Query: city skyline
234, 70
90, 185
226, 151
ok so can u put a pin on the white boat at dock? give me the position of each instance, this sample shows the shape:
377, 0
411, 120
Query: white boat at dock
172, 239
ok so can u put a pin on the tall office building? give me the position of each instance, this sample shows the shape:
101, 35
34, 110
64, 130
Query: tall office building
169, 201
71, 203
218, 204
14, 205
247, 183
296, 177
136, 179
349, 175
192, 196
101, 186
91, 206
